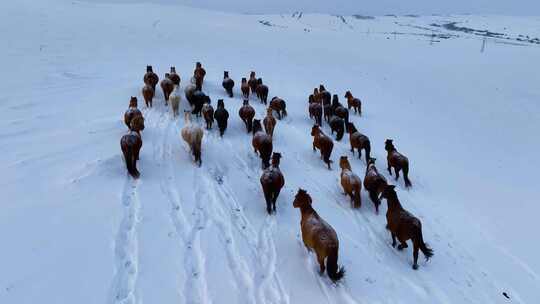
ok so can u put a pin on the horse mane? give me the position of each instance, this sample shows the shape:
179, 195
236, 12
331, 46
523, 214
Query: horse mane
393, 200
344, 163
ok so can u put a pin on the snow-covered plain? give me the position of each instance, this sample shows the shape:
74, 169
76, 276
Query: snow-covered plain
75, 229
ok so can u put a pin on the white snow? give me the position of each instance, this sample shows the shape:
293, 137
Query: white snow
76, 229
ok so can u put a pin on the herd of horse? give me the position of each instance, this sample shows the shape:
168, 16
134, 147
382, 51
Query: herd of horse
317, 234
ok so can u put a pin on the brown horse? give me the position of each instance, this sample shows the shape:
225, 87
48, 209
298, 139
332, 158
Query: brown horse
253, 82
358, 141
354, 103
192, 135
262, 143
315, 110
324, 143
398, 161
198, 75
131, 144
151, 78
167, 85
277, 104
148, 94
228, 84
269, 122
319, 236
262, 91
208, 114
374, 183
247, 113
317, 96
174, 76
404, 226
351, 183
131, 112
272, 181
244, 87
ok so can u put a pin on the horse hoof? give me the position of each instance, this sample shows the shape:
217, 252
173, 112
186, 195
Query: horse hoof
415, 267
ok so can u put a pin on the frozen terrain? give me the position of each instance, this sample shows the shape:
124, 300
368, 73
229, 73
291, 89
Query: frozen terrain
462, 104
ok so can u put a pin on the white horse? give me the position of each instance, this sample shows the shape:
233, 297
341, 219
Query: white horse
192, 135
175, 99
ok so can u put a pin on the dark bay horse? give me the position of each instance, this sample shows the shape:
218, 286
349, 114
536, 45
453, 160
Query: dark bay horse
272, 181
404, 226
262, 91
353, 102
151, 78
374, 183
262, 143
319, 236
358, 141
398, 161
322, 142
228, 84
221, 115
247, 113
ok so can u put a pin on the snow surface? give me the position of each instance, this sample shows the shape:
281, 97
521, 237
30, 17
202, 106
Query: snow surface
76, 229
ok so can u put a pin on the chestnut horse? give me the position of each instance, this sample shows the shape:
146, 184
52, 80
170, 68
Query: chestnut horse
151, 78
222, 116
315, 110
262, 143
404, 226
262, 91
351, 183
131, 144
167, 86
324, 143
269, 122
247, 113
398, 161
374, 183
192, 135
228, 84
244, 87
253, 82
148, 94
208, 114
354, 103
337, 125
272, 181
319, 236
174, 76
277, 104
358, 141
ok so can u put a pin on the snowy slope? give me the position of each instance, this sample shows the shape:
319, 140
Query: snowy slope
75, 228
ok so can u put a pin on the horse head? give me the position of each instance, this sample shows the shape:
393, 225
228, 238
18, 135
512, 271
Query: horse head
302, 199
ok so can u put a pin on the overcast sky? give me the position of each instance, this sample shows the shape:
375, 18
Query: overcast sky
373, 7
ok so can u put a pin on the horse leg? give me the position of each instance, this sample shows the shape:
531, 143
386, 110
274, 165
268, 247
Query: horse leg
359, 153
416, 247
276, 194
402, 246
397, 172
352, 148
393, 239
320, 259
389, 169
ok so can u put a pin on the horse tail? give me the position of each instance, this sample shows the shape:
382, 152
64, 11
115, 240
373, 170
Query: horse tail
249, 123
375, 199
284, 108
406, 175
130, 163
357, 199
340, 133
419, 239
368, 151
335, 273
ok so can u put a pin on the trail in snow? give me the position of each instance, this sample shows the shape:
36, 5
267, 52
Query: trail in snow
126, 247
